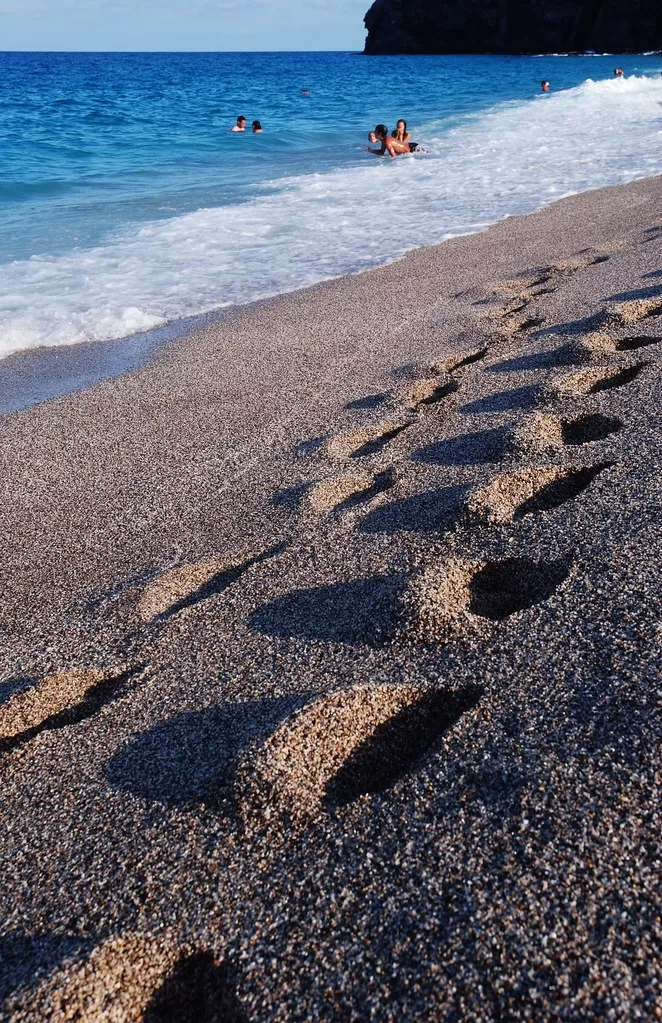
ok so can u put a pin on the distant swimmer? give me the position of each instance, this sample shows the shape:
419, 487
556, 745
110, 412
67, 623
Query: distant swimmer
304, 92
618, 71
240, 125
257, 128
544, 85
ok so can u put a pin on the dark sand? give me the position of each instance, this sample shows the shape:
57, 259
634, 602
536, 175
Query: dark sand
352, 604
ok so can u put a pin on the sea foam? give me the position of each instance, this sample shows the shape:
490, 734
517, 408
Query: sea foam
511, 159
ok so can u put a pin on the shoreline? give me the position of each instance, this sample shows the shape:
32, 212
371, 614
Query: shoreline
31, 376
330, 640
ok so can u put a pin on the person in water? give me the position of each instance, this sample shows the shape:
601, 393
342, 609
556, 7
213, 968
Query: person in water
240, 125
257, 128
388, 143
618, 71
401, 133
544, 85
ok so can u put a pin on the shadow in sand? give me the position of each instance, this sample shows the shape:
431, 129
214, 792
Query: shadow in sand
309, 447
25, 957
505, 401
361, 611
567, 355
190, 758
652, 291
370, 401
198, 988
13, 686
469, 449
289, 497
653, 273
422, 513
583, 326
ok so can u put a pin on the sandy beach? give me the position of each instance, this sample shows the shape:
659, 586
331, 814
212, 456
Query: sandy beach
330, 649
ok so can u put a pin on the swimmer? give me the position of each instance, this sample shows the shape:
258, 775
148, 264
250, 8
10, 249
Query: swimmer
257, 128
618, 71
388, 144
240, 125
401, 134
544, 85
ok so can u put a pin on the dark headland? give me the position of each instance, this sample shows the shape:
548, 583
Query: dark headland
513, 26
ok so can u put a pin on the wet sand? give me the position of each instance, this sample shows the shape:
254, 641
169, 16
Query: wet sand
330, 649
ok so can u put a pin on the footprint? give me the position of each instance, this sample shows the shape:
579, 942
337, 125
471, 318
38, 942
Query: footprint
601, 342
368, 441
529, 324
524, 284
581, 262
631, 344
452, 363
59, 700
139, 980
588, 428
442, 598
428, 390
183, 587
347, 744
342, 491
525, 491
545, 431
592, 381
199, 987
638, 309
514, 326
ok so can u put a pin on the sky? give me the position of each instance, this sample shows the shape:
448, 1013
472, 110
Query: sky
210, 25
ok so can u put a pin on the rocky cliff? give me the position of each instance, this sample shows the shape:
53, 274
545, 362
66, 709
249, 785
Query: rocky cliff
513, 26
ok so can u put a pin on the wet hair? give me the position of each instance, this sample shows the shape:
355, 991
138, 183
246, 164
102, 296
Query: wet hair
381, 129
240, 118
401, 120
544, 83
256, 126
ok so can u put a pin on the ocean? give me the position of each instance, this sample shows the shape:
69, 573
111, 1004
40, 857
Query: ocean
127, 203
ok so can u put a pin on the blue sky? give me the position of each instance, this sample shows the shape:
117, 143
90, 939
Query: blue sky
182, 24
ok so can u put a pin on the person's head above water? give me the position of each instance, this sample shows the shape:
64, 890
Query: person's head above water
618, 71
401, 127
381, 131
544, 85
257, 127
240, 125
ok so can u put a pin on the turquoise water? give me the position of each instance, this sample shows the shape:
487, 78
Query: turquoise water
126, 202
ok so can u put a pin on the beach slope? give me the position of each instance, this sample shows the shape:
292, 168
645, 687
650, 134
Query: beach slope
330, 650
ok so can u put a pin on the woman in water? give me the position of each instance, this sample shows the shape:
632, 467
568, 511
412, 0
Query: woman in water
401, 134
